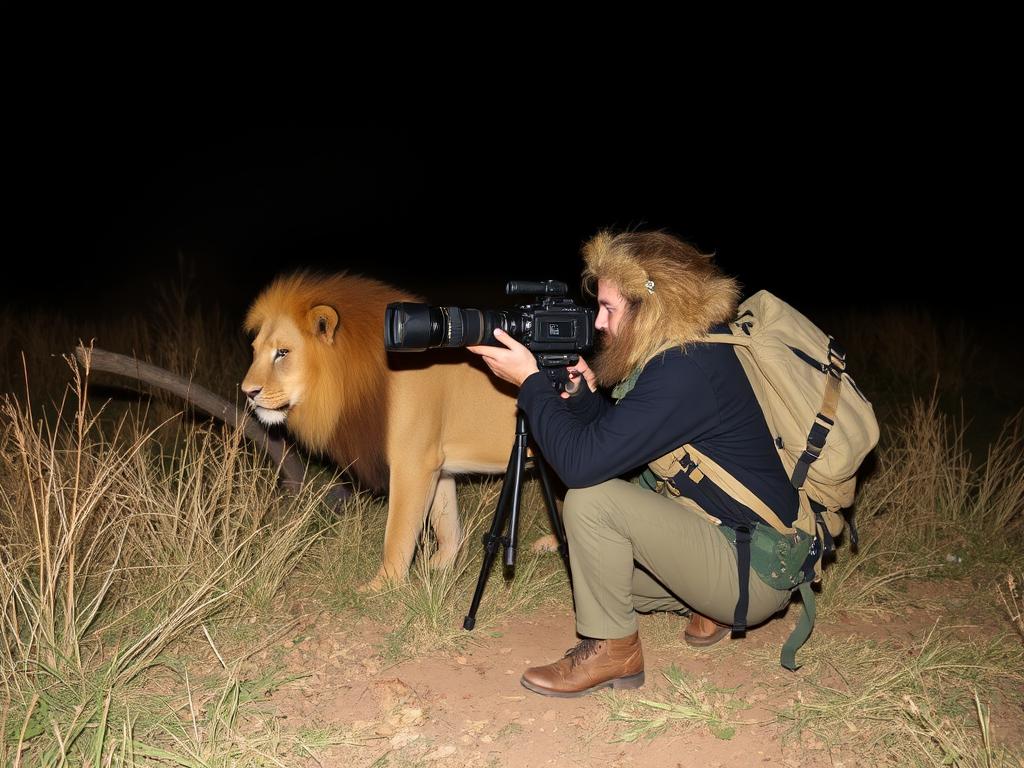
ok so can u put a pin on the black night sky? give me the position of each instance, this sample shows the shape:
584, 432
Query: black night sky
824, 201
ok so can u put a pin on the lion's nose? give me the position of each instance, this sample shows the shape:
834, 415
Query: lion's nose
251, 393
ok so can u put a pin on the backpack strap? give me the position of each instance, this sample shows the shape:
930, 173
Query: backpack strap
826, 417
803, 628
739, 618
703, 466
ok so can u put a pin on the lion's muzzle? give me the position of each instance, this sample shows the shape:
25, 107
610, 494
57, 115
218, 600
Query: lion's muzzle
271, 416
267, 410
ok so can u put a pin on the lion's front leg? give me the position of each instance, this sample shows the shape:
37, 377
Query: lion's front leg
411, 492
444, 519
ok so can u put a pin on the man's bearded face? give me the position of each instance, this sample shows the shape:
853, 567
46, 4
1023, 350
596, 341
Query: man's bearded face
616, 337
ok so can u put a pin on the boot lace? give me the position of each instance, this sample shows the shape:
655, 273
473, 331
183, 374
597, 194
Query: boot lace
583, 650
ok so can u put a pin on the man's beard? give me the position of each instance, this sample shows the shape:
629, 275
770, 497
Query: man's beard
612, 361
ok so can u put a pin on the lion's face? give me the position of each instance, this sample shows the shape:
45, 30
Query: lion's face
275, 381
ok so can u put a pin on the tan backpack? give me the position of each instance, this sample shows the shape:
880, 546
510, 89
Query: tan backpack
822, 424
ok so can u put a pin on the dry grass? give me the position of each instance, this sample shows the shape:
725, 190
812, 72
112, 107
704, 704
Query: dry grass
687, 703
114, 555
176, 335
1013, 603
907, 704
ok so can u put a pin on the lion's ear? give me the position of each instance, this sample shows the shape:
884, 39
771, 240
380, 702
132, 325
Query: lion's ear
323, 322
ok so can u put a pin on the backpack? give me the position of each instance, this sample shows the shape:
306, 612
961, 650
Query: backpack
823, 428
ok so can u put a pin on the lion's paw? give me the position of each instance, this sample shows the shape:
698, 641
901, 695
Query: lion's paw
547, 543
378, 583
443, 558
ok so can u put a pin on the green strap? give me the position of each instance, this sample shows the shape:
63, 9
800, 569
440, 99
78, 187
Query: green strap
802, 630
625, 386
647, 479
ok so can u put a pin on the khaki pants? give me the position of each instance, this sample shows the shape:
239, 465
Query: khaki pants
632, 550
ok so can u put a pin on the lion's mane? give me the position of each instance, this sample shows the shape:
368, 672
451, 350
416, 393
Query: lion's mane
344, 409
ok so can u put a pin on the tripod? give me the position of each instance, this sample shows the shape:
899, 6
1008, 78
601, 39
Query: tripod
506, 515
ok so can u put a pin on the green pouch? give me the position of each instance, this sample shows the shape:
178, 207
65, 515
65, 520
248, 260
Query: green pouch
775, 557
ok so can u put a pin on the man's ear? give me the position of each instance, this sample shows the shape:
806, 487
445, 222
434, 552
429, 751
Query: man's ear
323, 322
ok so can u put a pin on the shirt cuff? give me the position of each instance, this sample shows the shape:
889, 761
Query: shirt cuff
535, 385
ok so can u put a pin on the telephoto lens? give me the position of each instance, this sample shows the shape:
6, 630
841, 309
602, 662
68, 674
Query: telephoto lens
411, 327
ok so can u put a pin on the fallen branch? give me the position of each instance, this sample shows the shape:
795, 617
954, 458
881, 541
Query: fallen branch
290, 469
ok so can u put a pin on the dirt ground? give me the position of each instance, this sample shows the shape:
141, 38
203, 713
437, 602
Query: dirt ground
467, 708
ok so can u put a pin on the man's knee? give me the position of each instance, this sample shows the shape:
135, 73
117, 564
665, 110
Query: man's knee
586, 506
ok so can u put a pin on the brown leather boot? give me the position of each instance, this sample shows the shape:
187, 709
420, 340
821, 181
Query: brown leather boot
592, 664
702, 631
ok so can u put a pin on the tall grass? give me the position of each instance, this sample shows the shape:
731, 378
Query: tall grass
928, 510
1013, 603
113, 553
193, 342
927, 506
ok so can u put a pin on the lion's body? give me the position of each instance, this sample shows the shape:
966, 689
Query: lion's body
401, 422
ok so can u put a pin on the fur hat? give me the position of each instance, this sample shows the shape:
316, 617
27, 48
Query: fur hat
675, 292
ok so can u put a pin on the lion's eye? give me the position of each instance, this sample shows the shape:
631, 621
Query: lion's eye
280, 353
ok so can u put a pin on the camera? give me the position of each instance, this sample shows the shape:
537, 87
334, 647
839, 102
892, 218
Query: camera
553, 327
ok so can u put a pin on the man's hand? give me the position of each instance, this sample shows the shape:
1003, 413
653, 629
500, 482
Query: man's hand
577, 374
513, 363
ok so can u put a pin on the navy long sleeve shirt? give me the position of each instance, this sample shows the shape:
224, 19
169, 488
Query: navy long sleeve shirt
699, 396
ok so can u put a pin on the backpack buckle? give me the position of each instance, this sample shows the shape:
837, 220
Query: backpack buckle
818, 435
691, 469
687, 468
836, 358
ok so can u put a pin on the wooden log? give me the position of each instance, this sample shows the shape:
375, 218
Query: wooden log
291, 470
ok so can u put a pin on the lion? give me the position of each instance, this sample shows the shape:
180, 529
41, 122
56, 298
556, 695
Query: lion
402, 422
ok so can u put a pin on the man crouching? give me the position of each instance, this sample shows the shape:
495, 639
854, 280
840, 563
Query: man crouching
632, 550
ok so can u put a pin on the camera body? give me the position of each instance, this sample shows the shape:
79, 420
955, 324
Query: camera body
553, 326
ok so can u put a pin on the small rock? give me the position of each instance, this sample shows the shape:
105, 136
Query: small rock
403, 738
440, 752
410, 716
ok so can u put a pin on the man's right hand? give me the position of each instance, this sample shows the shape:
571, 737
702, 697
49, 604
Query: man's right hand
577, 373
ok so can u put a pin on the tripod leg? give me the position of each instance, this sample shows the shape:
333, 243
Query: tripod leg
512, 539
508, 502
